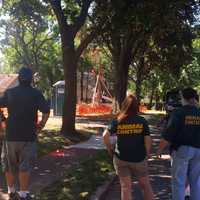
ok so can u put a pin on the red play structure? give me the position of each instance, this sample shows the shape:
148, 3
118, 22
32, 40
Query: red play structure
101, 93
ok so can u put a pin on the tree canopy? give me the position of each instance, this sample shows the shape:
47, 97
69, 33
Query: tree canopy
141, 44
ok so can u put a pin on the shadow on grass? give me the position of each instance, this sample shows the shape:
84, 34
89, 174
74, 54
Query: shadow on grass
80, 182
101, 117
51, 140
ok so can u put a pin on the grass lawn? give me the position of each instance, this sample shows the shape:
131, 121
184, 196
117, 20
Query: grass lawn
50, 138
80, 182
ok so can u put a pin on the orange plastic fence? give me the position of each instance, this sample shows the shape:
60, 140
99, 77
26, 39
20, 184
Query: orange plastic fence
142, 109
85, 109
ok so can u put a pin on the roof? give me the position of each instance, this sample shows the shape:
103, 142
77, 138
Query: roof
7, 81
59, 83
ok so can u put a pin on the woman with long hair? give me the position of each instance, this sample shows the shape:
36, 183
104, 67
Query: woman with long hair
132, 148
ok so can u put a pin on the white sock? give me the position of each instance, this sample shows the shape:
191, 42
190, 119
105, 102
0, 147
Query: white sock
11, 189
187, 191
23, 194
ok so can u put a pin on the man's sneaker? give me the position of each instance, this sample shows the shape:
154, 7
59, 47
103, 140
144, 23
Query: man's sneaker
28, 197
14, 196
187, 197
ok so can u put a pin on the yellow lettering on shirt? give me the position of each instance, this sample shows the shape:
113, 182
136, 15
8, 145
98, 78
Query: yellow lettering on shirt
129, 129
192, 120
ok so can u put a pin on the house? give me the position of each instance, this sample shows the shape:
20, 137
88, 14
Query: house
7, 81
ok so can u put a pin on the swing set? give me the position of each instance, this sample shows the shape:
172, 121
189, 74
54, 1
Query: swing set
101, 99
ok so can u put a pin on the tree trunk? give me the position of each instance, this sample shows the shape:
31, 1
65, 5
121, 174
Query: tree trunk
70, 75
139, 76
151, 98
81, 84
156, 100
71, 56
86, 91
121, 81
138, 89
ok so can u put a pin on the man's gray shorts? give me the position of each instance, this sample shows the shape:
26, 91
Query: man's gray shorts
18, 156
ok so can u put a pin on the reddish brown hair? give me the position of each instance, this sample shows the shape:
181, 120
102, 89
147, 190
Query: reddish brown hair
129, 108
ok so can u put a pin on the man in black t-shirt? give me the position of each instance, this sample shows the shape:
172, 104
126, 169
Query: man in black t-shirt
183, 130
19, 149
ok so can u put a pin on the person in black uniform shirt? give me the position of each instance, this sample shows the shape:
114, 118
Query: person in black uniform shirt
183, 131
132, 148
19, 147
2, 128
2, 124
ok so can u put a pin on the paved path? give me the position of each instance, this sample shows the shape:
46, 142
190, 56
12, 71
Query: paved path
95, 142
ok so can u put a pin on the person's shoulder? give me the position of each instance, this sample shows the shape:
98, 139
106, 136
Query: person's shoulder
36, 91
141, 118
178, 112
198, 109
112, 126
114, 121
12, 89
178, 109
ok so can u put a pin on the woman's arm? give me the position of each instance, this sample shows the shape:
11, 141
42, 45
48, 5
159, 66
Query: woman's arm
106, 139
162, 145
148, 144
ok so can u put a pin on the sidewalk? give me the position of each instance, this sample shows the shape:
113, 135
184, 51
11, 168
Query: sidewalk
160, 180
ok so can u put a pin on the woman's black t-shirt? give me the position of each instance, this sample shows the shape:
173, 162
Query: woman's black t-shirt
130, 138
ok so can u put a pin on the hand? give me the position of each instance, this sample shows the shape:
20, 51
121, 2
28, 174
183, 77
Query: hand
110, 152
40, 126
159, 153
162, 146
148, 155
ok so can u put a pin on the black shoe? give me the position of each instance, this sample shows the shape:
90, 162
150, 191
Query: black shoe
14, 196
187, 197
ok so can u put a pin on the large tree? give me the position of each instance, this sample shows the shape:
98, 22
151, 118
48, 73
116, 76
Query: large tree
71, 16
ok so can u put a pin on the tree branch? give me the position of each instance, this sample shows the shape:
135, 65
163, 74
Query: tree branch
108, 43
43, 42
80, 20
106, 53
88, 38
16, 48
131, 78
84, 44
56, 6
